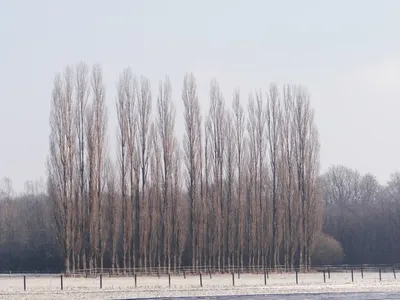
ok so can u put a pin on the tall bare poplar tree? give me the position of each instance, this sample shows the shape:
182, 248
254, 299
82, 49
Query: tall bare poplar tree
99, 110
289, 175
315, 207
133, 160
91, 212
192, 150
239, 132
230, 204
253, 208
217, 119
144, 100
61, 161
96, 128
122, 104
304, 144
264, 228
209, 219
82, 93
155, 201
180, 207
273, 132
166, 123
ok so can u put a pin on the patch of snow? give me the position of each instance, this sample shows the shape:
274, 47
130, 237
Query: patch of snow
49, 287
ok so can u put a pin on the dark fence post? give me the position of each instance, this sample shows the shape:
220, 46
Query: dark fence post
184, 274
394, 273
265, 277
158, 273
169, 279
209, 271
380, 274
324, 277
62, 286
135, 280
362, 273
329, 273
297, 276
233, 279
352, 276
24, 283
201, 280
101, 281
238, 272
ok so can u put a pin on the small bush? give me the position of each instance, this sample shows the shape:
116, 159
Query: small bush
327, 251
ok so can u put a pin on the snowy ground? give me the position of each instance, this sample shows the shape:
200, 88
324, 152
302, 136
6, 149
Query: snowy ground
48, 287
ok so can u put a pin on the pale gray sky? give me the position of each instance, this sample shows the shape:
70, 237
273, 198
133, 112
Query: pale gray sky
346, 52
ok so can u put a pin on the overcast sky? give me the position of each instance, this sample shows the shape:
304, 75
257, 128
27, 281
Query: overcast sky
346, 52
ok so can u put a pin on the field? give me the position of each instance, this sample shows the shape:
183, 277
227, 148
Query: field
46, 287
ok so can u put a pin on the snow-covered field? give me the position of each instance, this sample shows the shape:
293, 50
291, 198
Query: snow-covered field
48, 287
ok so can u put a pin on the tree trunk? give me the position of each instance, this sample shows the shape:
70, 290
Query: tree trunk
101, 262
113, 261
73, 261
67, 262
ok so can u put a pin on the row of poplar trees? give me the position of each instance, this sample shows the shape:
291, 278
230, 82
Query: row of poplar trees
240, 188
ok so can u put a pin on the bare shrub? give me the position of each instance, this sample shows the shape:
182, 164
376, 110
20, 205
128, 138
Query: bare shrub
327, 251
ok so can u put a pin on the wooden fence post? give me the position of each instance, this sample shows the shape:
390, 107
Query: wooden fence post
324, 277
329, 273
135, 280
380, 274
184, 274
362, 273
265, 277
169, 279
233, 279
62, 286
297, 277
101, 281
394, 273
24, 283
352, 276
201, 280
